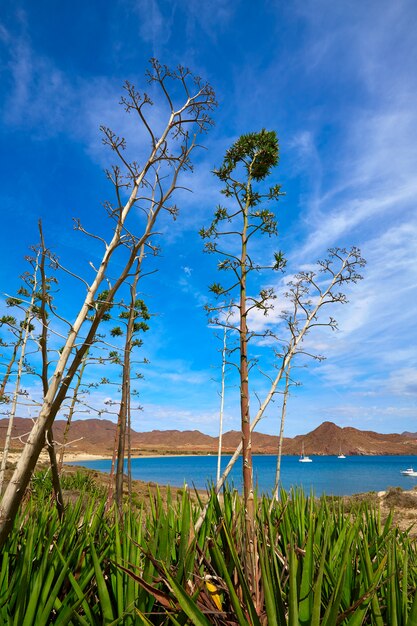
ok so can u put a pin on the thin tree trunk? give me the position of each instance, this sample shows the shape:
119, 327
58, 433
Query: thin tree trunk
23, 343
129, 449
13, 407
275, 494
71, 412
287, 358
219, 451
9, 431
43, 341
57, 391
251, 565
10, 365
56, 483
110, 490
124, 404
120, 456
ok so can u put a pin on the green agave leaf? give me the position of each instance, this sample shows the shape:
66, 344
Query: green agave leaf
268, 589
317, 600
103, 592
224, 574
293, 618
334, 603
306, 587
43, 615
163, 598
187, 604
412, 616
144, 620
78, 590
362, 604
372, 579
390, 588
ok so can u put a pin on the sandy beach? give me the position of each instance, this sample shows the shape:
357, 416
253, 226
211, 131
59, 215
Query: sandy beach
70, 457
74, 457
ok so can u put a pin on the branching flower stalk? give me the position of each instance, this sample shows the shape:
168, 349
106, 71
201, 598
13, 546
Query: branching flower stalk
26, 327
349, 264
43, 342
169, 155
135, 310
249, 161
219, 450
129, 447
275, 492
74, 401
10, 321
131, 314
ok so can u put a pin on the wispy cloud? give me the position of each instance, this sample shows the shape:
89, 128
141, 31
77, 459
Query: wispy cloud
338, 83
41, 97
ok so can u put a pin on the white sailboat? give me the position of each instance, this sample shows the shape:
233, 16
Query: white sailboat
341, 455
303, 458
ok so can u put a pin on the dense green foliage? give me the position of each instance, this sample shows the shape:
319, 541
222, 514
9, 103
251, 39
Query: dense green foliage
318, 564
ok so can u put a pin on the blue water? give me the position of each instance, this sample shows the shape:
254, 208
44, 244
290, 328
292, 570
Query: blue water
326, 474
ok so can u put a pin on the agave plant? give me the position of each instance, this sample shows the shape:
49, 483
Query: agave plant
319, 564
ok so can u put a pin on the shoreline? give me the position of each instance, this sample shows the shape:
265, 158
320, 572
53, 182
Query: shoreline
164, 473
74, 457
71, 458
86, 456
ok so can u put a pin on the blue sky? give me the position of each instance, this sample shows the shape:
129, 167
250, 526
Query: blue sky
338, 83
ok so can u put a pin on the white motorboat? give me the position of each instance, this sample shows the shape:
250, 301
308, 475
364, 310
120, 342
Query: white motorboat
408, 472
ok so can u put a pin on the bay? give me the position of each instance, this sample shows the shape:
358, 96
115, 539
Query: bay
325, 475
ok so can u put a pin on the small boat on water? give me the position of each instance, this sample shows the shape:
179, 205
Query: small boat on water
341, 455
303, 458
408, 472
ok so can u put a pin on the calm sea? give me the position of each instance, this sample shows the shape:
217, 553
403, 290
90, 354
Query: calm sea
326, 474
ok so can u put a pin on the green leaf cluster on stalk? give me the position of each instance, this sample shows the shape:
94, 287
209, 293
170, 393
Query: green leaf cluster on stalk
246, 165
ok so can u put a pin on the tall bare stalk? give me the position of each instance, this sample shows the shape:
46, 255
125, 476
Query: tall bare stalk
248, 162
43, 342
26, 327
11, 322
169, 154
71, 410
281, 438
340, 269
124, 411
222, 390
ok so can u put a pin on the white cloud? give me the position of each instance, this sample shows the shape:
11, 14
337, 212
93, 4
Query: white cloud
154, 26
161, 417
403, 382
41, 97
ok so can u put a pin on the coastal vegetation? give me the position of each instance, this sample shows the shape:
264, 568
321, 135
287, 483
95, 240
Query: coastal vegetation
74, 552
319, 561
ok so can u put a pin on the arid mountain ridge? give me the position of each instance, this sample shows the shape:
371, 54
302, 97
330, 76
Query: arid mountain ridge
96, 436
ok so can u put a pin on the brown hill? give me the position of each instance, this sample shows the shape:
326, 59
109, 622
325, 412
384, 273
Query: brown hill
96, 436
330, 439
